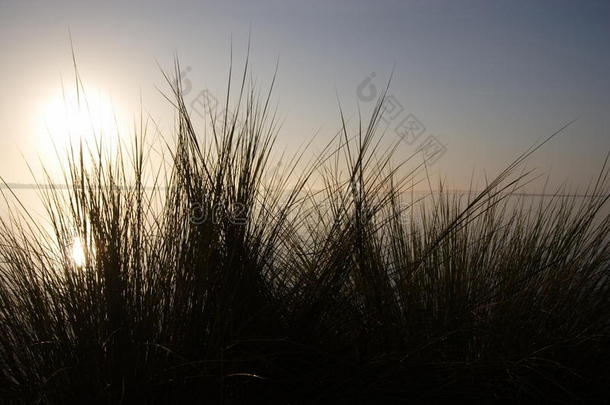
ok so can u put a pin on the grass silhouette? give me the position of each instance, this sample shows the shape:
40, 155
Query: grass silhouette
219, 281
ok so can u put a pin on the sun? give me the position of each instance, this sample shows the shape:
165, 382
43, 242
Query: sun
70, 117
68, 120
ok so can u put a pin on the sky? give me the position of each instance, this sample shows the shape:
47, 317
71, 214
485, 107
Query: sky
480, 80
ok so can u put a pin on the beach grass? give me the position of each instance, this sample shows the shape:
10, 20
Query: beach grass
219, 279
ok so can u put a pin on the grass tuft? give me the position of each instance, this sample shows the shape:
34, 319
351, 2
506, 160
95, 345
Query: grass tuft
218, 278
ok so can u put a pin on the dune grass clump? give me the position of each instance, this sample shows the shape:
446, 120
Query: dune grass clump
218, 279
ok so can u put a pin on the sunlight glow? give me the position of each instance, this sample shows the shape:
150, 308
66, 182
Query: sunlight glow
78, 252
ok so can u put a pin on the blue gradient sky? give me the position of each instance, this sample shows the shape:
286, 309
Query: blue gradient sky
487, 78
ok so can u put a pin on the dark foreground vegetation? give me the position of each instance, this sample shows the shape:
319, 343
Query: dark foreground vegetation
342, 291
